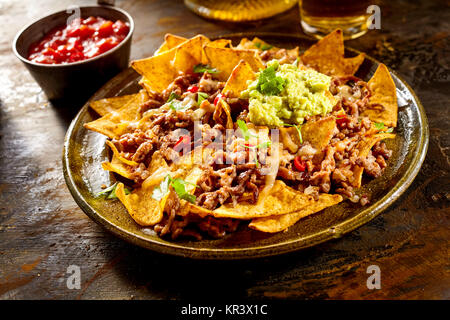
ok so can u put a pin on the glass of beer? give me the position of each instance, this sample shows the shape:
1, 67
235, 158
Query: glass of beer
320, 17
239, 10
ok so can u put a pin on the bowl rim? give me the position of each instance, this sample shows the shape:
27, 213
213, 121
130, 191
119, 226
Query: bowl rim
237, 253
25, 28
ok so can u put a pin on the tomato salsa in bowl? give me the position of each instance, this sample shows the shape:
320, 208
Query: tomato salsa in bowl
70, 57
81, 39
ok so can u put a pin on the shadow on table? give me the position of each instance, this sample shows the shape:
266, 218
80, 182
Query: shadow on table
169, 277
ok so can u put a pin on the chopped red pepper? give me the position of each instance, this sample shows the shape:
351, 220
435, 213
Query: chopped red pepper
183, 141
342, 118
193, 89
299, 164
218, 97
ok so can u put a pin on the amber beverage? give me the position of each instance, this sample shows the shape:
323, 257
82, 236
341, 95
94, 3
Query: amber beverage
239, 10
320, 17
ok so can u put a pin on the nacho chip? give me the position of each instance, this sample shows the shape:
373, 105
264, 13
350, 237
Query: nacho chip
223, 111
317, 133
327, 56
237, 82
118, 167
226, 59
119, 156
383, 102
189, 54
364, 146
170, 41
320, 132
160, 70
116, 123
220, 43
279, 223
107, 105
145, 210
281, 199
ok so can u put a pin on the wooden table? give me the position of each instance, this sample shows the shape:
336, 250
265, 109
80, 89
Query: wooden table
43, 231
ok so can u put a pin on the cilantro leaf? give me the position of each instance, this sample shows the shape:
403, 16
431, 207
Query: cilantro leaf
179, 187
379, 125
262, 46
269, 83
264, 145
300, 138
110, 192
201, 68
201, 96
244, 129
173, 96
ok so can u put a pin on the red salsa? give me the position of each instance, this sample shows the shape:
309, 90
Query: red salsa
80, 40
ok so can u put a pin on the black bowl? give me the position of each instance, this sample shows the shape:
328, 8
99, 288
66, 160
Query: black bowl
77, 80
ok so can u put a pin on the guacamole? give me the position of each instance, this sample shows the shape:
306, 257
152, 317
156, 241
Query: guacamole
286, 94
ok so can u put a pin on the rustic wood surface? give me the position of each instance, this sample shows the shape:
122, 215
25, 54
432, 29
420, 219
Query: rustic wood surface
43, 231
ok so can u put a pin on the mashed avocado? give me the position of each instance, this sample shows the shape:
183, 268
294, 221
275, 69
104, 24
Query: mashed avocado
286, 94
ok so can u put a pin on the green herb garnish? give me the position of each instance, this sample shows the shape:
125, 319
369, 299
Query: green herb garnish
269, 83
173, 96
244, 129
263, 145
201, 68
201, 96
110, 192
264, 46
298, 130
379, 125
178, 185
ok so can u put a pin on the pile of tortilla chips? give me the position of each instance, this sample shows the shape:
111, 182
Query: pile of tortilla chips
279, 206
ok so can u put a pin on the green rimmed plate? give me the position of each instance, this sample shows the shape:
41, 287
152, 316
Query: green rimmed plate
84, 151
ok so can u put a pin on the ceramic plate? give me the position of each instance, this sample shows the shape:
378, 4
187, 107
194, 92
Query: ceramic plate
84, 151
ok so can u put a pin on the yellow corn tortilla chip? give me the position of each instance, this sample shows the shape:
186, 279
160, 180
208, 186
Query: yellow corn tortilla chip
279, 223
364, 146
145, 210
317, 133
160, 70
281, 199
383, 102
118, 167
220, 43
327, 56
190, 53
116, 123
246, 44
223, 110
105, 106
226, 59
119, 156
237, 82
320, 132
170, 41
